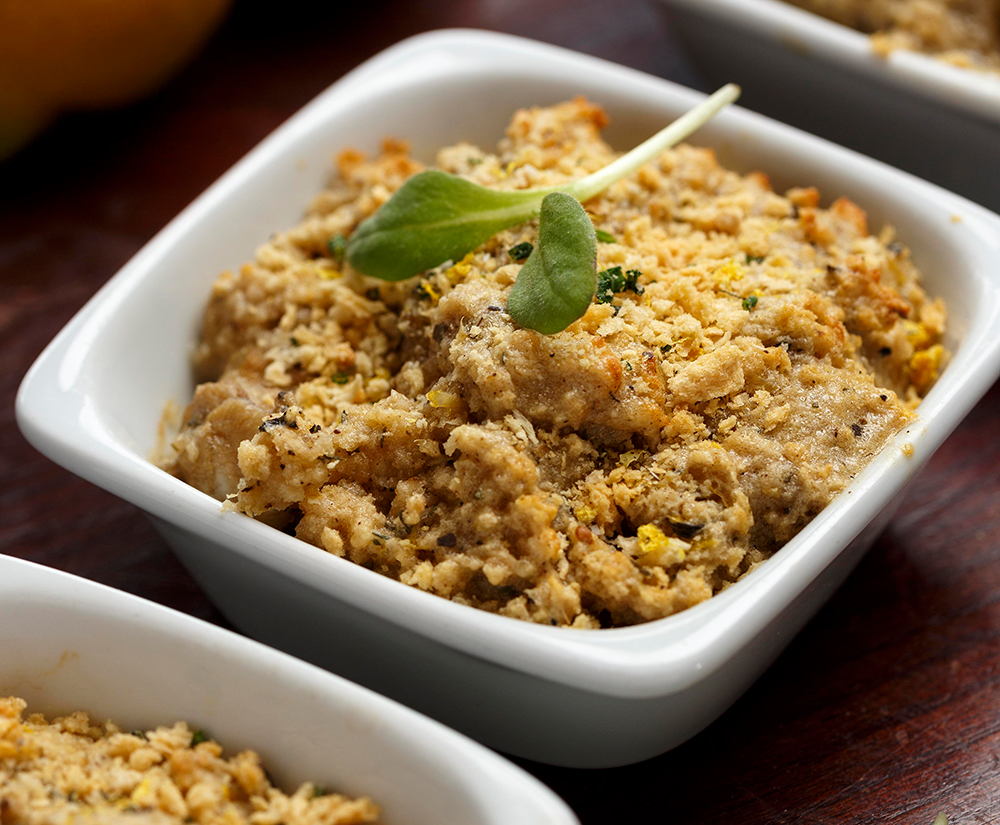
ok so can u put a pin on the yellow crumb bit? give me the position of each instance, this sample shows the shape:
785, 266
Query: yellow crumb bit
430, 291
327, 272
924, 366
440, 398
143, 795
506, 171
916, 334
585, 513
657, 548
629, 458
459, 270
730, 271
907, 450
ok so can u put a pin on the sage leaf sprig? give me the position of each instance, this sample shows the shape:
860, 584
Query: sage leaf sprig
557, 282
435, 216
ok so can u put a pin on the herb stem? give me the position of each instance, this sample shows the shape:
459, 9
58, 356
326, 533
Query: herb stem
685, 125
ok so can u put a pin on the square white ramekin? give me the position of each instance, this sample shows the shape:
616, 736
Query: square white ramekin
67, 644
94, 399
936, 120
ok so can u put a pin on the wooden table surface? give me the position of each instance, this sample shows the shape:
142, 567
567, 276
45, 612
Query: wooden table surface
884, 709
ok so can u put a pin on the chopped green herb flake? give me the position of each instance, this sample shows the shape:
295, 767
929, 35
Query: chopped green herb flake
340, 377
198, 737
520, 252
754, 259
319, 790
749, 302
337, 246
666, 348
613, 280
605, 237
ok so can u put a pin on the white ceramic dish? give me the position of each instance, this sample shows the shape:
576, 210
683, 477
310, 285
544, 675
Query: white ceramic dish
93, 400
67, 644
910, 109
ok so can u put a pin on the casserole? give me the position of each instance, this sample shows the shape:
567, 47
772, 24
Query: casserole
94, 399
69, 644
910, 109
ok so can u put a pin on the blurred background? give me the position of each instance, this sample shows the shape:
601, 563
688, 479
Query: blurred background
883, 710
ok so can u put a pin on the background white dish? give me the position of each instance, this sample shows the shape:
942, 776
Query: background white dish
93, 400
918, 113
67, 644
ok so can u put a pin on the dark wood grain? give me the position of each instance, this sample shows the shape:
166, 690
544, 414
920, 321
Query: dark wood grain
885, 709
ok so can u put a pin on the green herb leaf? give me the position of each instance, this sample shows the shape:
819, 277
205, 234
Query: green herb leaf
754, 259
432, 218
605, 237
749, 302
198, 737
340, 377
435, 216
520, 252
556, 283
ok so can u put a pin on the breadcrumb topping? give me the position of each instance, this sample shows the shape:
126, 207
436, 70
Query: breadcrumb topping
70, 770
965, 33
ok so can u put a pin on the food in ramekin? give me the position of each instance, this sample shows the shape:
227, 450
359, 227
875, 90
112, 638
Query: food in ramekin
965, 34
746, 354
72, 770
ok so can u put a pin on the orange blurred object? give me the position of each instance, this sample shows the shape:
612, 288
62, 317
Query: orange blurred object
58, 55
